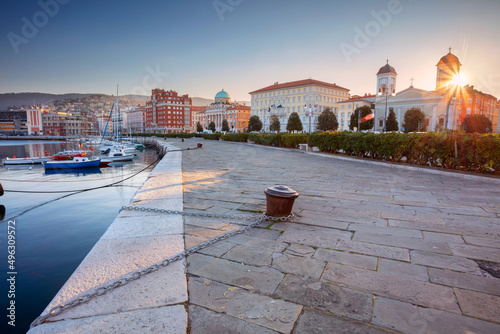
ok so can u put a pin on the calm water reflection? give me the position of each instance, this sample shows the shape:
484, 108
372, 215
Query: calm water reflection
55, 231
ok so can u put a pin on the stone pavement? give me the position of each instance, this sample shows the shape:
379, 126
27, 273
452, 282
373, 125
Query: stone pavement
372, 249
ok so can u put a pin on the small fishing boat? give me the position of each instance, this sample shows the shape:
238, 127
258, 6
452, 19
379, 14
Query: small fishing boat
25, 161
68, 155
76, 162
118, 154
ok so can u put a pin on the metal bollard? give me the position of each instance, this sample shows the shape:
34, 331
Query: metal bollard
280, 200
200, 145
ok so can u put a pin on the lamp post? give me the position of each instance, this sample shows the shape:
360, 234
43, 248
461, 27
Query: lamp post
385, 91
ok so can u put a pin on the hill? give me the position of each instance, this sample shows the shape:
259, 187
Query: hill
28, 99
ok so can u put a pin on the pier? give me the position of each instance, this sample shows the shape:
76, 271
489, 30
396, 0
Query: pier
372, 248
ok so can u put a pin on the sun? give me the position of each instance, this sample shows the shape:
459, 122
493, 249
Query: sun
459, 79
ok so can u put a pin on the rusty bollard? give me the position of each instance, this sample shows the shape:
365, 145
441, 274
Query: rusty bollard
280, 200
183, 140
200, 145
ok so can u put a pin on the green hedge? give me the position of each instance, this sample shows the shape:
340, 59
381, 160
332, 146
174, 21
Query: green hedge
453, 150
211, 136
279, 139
238, 137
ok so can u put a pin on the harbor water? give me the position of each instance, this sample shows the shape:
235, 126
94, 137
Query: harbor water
53, 219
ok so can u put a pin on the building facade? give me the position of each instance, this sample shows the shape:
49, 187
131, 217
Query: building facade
347, 107
65, 123
134, 120
444, 108
307, 97
168, 112
237, 115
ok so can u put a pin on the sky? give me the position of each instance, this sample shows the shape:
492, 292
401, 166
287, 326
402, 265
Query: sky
199, 47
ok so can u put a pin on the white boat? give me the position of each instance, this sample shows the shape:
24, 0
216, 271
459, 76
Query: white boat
25, 161
118, 154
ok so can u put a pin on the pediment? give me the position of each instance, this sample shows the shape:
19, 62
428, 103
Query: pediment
415, 94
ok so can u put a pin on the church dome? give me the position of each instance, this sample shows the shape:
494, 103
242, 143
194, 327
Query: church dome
222, 95
386, 69
450, 58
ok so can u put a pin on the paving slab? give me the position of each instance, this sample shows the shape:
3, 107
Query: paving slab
408, 318
479, 305
487, 285
403, 269
312, 321
456, 263
261, 310
168, 320
298, 265
374, 249
400, 241
326, 296
401, 288
313, 235
264, 280
203, 321
476, 252
350, 259
492, 243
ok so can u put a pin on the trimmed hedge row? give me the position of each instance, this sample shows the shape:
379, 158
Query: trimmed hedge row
453, 150
238, 137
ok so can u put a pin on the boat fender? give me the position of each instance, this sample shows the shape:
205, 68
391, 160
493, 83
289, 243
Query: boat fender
1, 190
2, 212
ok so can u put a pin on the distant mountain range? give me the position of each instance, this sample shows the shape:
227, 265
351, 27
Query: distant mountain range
29, 99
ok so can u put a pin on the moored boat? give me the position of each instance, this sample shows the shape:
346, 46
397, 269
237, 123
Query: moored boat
25, 161
76, 162
118, 154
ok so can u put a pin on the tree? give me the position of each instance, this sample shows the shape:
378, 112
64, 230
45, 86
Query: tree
414, 121
294, 123
225, 126
199, 128
275, 124
327, 121
211, 126
477, 123
365, 111
392, 123
254, 124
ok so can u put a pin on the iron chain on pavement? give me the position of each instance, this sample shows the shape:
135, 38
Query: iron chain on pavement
55, 311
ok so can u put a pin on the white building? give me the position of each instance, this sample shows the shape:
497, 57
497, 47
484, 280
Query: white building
307, 97
347, 107
134, 120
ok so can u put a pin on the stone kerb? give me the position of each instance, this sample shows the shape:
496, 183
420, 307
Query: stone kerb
134, 241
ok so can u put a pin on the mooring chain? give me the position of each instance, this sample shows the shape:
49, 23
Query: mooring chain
55, 311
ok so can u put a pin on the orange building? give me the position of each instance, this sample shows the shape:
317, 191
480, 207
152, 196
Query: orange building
168, 112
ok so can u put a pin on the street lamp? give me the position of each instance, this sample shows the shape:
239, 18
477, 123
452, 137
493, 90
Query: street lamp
385, 92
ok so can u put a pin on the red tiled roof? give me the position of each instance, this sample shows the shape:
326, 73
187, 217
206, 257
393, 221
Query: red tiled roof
356, 98
240, 107
298, 83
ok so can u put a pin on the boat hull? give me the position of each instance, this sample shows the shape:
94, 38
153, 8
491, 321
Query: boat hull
71, 164
25, 161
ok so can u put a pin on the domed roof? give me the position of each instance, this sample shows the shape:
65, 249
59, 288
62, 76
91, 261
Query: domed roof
386, 69
222, 94
450, 58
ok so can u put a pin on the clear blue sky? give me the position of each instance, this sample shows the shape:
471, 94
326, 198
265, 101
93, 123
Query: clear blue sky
91, 46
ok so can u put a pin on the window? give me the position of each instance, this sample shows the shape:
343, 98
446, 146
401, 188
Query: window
469, 100
343, 106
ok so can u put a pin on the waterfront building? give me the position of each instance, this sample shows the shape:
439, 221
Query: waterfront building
307, 97
13, 122
168, 112
134, 120
65, 123
237, 115
444, 108
347, 107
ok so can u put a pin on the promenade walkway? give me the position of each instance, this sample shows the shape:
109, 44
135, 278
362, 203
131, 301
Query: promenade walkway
371, 249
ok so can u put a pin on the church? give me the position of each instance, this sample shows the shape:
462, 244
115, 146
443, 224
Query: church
444, 108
